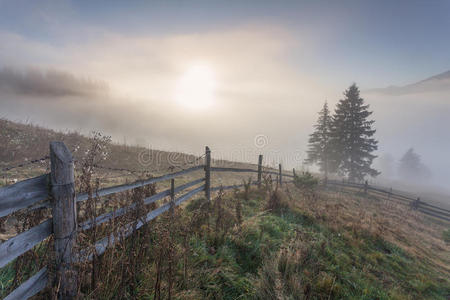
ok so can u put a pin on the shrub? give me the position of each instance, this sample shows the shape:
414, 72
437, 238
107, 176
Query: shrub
305, 181
446, 236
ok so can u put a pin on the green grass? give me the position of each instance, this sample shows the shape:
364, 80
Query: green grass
446, 236
339, 264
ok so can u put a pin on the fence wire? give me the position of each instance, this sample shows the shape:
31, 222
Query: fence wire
27, 163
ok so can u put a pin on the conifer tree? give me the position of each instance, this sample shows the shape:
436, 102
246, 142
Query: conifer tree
352, 137
411, 167
319, 142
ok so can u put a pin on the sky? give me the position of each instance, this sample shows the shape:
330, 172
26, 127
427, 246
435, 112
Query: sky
338, 41
177, 75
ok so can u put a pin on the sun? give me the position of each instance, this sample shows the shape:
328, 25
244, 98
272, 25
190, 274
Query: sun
196, 88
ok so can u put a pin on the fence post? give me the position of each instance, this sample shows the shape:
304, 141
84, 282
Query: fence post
293, 172
416, 204
260, 159
366, 186
208, 174
172, 192
280, 177
64, 218
390, 194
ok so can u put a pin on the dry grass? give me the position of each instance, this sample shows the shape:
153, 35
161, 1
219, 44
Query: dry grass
22, 143
239, 241
416, 233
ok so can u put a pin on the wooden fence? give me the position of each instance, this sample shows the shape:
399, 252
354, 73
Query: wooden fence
57, 191
402, 197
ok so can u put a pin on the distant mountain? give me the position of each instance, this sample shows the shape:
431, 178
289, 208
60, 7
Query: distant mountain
437, 83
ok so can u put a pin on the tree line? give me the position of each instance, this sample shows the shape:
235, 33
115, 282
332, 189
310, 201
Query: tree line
408, 168
343, 142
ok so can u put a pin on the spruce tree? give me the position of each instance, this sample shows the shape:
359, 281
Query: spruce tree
352, 137
411, 167
319, 142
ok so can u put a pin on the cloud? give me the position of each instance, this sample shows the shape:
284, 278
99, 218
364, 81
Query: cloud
50, 83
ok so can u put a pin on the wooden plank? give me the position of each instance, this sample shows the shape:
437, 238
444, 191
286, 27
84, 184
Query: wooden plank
444, 214
270, 172
275, 173
23, 194
231, 187
377, 191
347, 183
128, 229
227, 187
434, 215
392, 197
126, 187
229, 169
123, 210
353, 185
434, 206
396, 196
189, 195
64, 218
24, 241
392, 194
236, 186
31, 287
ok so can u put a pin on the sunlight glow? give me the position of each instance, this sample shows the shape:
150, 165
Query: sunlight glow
196, 87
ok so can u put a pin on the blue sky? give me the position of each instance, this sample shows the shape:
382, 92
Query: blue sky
376, 43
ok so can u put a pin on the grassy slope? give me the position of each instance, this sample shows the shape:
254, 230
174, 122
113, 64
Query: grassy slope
294, 253
20, 143
307, 248
297, 251
330, 245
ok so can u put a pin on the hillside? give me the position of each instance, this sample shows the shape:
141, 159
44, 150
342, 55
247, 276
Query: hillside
436, 83
289, 242
22, 144
275, 243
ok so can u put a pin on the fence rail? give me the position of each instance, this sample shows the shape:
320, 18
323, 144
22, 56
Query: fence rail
31, 287
59, 185
416, 203
23, 194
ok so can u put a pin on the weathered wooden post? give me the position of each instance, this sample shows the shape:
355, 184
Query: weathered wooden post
293, 172
416, 204
64, 218
390, 194
170, 225
260, 159
208, 174
172, 192
366, 186
280, 176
